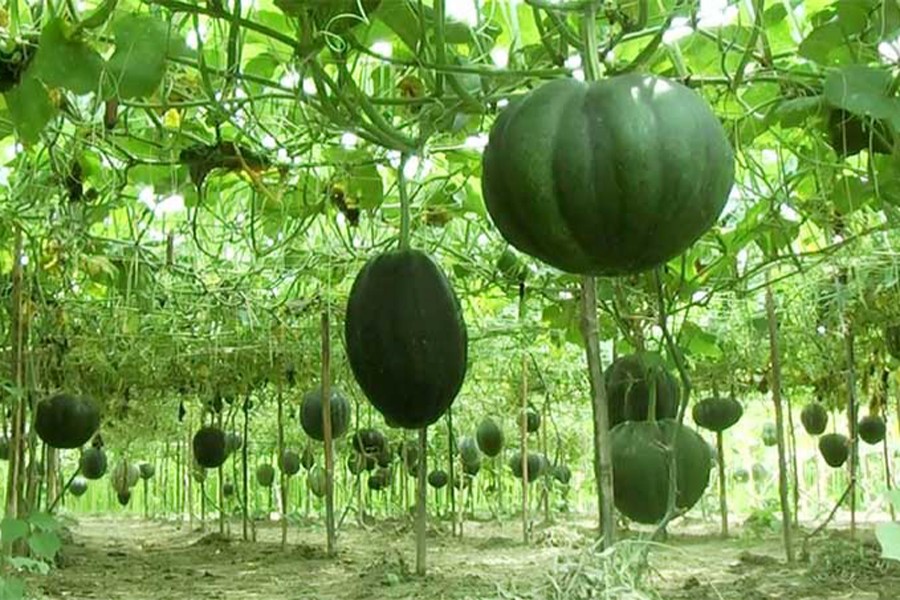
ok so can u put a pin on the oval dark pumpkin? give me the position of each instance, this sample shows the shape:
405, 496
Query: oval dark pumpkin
769, 435
78, 487
380, 479
228, 489
489, 437
532, 421
66, 421
607, 178
315, 479
536, 465
289, 462
814, 418
93, 463
406, 338
124, 475
872, 429
641, 473
265, 475
311, 414
835, 449
562, 474
209, 447
233, 442
717, 413
468, 451
4, 448
628, 385
369, 441
307, 459
124, 497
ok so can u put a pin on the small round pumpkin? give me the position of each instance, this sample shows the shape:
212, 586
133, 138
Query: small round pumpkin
369, 441
147, 470
93, 463
289, 462
536, 465
124, 475
228, 489
872, 429
607, 178
265, 475
438, 479
307, 459
717, 413
641, 473
741, 475
78, 487
124, 497
892, 340
311, 414
562, 474
406, 338
532, 420
814, 418
629, 380
489, 437
380, 480
66, 421
835, 449
209, 447
233, 442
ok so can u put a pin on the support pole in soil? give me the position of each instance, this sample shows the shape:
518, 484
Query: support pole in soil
795, 474
852, 415
245, 467
723, 500
523, 422
282, 478
603, 469
421, 501
16, 471
889, 483
451, 450
331, 538
787, 531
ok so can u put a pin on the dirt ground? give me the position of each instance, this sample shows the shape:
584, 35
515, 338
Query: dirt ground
118, 557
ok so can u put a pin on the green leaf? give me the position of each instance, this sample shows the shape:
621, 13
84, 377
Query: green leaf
863, 91
43, 521
888, 535
29, 564
826, 45
12, 530
99, 15
139, 62
795, 112
11, 588
44, 544
894, 498
365, 186
698, 342
30, 108
66, 62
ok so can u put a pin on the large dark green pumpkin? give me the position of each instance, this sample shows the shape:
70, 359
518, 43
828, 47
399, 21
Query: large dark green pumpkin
814, 418
369, 441
406, 338
311, 414
489, 437
265, 475
892, 340
717, 413
209, 447
835, 449
93, 463
628, 384
66, 421
872, 429
641, 468
607, 178
468, 450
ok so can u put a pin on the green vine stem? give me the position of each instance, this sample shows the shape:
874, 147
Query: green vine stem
404, 202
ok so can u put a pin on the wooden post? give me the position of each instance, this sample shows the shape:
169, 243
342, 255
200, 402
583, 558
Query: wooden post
282, 478
852, 416
603, 469
723, 501
16, 472
787, 531
451, 446
245, 467
331, 538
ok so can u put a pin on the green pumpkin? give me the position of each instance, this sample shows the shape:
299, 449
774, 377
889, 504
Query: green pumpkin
78, 487
307, 459
607, 178
265, 475
769, 435
489, 437
814, 418
468, 451
871, 429
536, 465
892, 340
209, 447
66, 421
641, 468
311, 414
315, 479
289, 462
835, 449
124, 475
380, 479
438, 479
628, 384
717, 413
147, 470
124, 497
532, 420
93, 463
406, 338
562, 474
228, 489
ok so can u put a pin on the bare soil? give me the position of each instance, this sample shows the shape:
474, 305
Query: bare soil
115, 557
